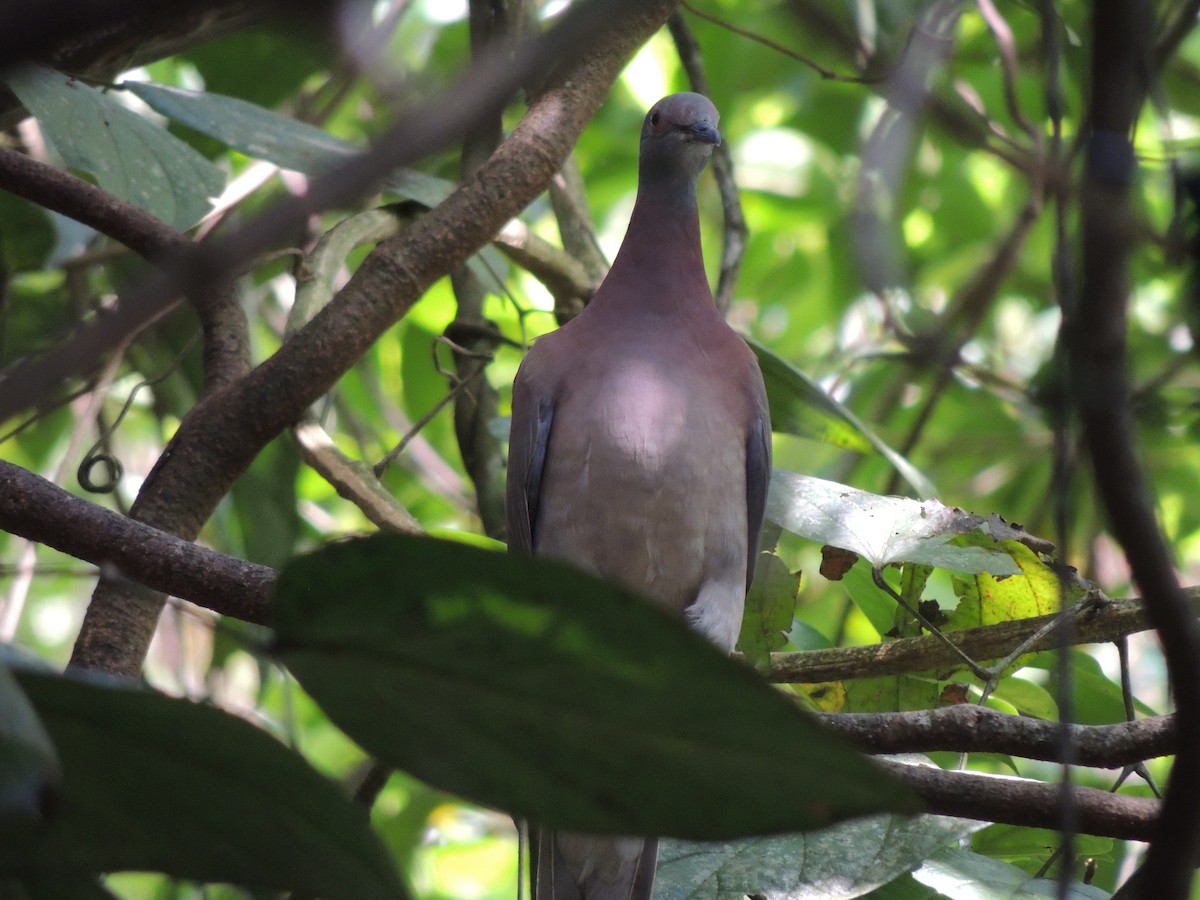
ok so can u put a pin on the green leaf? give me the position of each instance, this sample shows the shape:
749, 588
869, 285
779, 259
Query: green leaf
819, 865
801, 407
878, 607
904, 888
770, 610
963, 875
154, 783
264, 134
1029, 847
30, 773
26, 235
266, 504
532, 687
891, 693
882, 530
129, 155
292, 144
1033, 590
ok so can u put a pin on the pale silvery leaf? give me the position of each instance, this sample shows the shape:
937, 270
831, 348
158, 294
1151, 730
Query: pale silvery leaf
881, 530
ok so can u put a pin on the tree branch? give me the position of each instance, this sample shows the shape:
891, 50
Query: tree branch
970, 728
1112, 620
39, 510
226, 332
1019, 801
1095, 337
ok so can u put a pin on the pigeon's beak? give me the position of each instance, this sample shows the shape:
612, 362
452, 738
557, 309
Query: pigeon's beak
704, 133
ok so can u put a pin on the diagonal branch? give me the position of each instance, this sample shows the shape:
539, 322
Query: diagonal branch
1109, 622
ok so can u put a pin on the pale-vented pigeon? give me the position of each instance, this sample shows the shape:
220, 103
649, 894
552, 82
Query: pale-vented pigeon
640, 447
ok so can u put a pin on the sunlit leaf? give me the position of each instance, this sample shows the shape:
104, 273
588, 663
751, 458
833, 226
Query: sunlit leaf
882, 530
528, 686
770, 610
130, 156
154, 783
801, 407
963, 875
1033, 590
829, 864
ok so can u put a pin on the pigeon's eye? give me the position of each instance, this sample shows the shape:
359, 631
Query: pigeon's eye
654, 117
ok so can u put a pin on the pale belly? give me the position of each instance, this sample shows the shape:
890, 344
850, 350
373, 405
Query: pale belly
653, 496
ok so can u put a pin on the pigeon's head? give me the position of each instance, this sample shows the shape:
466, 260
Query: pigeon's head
679, 135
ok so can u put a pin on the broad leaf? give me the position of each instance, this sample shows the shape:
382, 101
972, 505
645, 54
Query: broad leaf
264, 134
963, 875
291, 144
154, 783
801, 407
130, 156
838, 863
882, 530
30, 773
770, 610
1033, 590
532, 687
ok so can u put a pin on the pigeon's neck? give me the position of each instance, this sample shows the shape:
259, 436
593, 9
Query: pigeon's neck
660, 265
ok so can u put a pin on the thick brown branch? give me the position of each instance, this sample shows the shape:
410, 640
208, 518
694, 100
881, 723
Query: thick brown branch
1018, 801
144, 234
39, 510
969, 728
1106, 623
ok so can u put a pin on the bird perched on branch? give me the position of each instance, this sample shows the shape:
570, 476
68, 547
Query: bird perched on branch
640, 447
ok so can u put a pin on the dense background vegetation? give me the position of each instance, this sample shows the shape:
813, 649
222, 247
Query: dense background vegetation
917, 212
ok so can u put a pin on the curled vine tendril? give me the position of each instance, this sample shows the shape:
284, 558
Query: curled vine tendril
100, 453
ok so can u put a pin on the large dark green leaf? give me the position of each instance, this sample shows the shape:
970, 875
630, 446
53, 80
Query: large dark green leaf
129, 155
526, 685
29, 766
153, 783
838, 863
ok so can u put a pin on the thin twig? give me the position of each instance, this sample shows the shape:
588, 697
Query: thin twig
825, 73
